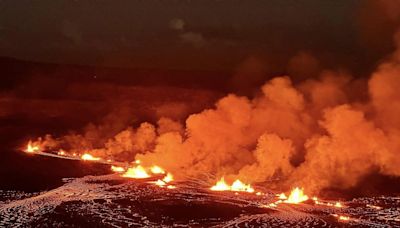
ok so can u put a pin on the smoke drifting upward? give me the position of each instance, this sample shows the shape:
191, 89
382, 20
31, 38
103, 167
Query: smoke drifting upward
316, 133
320, 133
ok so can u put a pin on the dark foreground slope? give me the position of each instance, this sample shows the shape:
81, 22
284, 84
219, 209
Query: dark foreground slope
110, 201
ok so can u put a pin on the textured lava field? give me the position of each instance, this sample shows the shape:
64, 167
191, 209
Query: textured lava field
111, 201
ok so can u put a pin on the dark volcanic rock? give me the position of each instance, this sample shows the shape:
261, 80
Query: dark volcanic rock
112, 201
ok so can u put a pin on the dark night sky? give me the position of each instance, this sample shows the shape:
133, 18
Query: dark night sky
209, 34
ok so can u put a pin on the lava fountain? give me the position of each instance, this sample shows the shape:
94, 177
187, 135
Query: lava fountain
137, 172
296, 196
32, 148
237, 186
89, 157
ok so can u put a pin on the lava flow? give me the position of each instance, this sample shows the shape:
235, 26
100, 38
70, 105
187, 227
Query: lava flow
31, 148
157, 170
117, 169
296, 196
158, 176
137, 172
89, 157
237, 186
140, 172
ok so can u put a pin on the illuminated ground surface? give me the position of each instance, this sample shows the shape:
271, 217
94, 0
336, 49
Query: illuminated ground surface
109, 201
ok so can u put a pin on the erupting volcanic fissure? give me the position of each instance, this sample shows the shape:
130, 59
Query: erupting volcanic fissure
89, 157
117, 169
140, 172
156, 114
31, 148
136, 172
296, 196
237, 186
319, 133
288, 133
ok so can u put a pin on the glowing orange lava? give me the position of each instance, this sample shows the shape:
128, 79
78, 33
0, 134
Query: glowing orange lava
31, 148
117, 169
374, 207
221, 186
157, 170
168, 178
237, 186
158, 183
296, 196
89, 157
282, 196
344, 218
338, 204
137, 172
329, 204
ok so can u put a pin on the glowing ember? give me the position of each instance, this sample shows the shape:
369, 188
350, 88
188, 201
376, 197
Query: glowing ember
338, 204
329, 204
157, 170
137, 172
221, 186
117, 169
237, 186
89, 157
61, 152
296, 196
31, 148
159, 183
168, 178
344, 218
282, 196
374, 207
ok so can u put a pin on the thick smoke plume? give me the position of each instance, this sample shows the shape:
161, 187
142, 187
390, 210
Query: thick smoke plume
319, 133
314, 134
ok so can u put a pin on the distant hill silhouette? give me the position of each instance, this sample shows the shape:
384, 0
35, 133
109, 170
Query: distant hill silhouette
14, 71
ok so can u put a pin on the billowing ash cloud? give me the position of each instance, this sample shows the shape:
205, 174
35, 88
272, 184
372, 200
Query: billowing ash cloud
317, 133
314, 134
